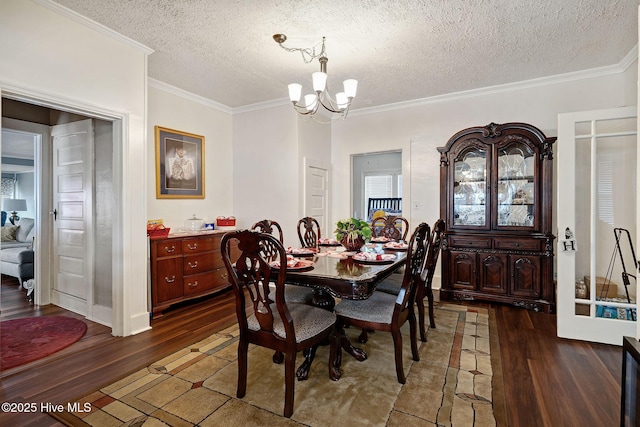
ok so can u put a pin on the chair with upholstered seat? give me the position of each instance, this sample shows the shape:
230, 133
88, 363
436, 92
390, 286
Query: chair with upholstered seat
392, 284
309, 232
271, 323
390, 226
387, 312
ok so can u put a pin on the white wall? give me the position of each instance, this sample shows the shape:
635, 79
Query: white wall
50, 57
265, 169
188, 115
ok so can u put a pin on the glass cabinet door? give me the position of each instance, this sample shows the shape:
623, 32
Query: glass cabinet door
516, 191
470, 188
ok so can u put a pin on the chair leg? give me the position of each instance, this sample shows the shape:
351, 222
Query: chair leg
243, 348
397, 346
413, 332
420, 304
432, 321
334, 356
289, 382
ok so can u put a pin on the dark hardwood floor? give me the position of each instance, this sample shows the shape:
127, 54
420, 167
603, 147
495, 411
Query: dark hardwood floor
548, 381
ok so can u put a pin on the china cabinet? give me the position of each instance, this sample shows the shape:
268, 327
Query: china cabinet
496, 196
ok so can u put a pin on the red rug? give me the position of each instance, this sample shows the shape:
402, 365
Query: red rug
32, 338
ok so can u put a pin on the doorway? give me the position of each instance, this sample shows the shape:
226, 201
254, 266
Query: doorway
375, 175
98, 304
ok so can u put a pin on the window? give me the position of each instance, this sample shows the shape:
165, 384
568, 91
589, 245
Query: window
8, 187
380, 186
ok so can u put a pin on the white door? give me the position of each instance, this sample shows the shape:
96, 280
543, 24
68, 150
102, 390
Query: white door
597, 161
316, 183
72, 152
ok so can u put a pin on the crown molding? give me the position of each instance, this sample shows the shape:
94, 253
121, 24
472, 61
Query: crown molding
189, 95
622, 66
74, 16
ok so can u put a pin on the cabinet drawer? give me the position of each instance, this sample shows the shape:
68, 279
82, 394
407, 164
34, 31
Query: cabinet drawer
197, 245
200, 283
470, 242
198, 263
518, 244
168, 248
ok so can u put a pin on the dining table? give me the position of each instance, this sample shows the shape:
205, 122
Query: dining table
336, 273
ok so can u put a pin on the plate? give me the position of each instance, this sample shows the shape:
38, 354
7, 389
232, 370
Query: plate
301, 251
393, 246
329, 242
380, 240
302, 264
384, 259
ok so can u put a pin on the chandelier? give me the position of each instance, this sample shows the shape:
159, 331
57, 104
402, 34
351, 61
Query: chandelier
320, 97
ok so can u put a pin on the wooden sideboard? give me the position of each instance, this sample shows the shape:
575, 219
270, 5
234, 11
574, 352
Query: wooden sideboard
185, 267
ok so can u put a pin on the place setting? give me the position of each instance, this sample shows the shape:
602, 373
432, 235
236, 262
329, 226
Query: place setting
294, 263
301, 252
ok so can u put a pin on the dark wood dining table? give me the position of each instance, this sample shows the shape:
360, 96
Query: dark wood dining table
342, 277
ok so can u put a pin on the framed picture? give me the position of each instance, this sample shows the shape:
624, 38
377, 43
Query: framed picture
179, 164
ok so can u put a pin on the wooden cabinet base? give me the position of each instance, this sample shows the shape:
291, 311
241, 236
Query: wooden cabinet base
535, 305
184, 268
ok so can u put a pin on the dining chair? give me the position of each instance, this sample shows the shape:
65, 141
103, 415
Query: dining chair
392, 285
435, 244
309, 232
387, 312
271, 323
392, 227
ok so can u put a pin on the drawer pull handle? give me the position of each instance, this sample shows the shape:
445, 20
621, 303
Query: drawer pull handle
517, 245
169, 250
224, 276
192, 285
192, 247
173, 279
194, 265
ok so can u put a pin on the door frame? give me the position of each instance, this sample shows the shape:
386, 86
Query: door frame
121, 320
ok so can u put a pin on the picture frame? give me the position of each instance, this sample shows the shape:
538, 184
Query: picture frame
179, 164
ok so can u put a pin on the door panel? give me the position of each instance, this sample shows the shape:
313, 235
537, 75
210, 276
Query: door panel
597, 192
72, 158
493, 273
317, 194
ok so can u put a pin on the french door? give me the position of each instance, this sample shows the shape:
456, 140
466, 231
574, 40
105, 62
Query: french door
597, 158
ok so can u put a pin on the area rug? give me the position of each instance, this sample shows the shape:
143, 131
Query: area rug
27, 339
456, 382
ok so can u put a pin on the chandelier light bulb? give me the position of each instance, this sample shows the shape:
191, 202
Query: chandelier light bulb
319, 81
350, 88
342, 100
295, 91
310, 101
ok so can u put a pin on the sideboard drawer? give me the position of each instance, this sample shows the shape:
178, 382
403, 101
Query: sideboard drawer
470, 242
168, 248
191, 246
198, 263
198, 283
518, 244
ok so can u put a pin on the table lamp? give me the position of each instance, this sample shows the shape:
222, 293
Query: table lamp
14, 205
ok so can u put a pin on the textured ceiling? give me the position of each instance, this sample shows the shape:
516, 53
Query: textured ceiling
398, 50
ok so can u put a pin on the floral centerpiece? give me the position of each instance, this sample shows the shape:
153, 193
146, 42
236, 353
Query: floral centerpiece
352, 233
